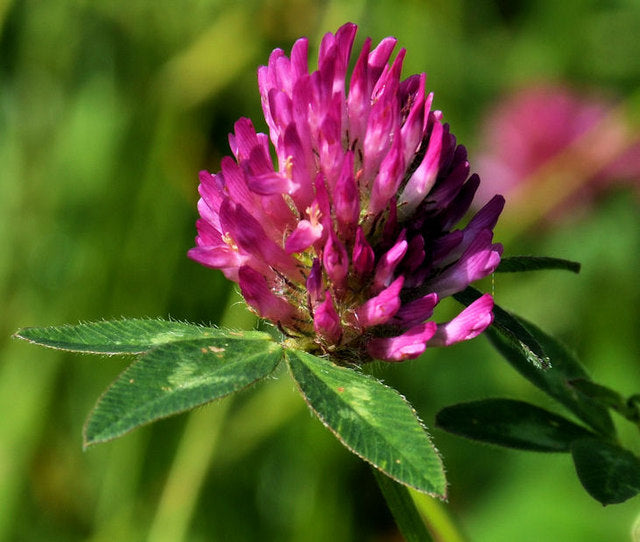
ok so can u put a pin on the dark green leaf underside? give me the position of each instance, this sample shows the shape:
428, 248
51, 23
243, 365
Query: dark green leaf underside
609, 473
512, 330
608, 398
126, 336
511, 423
372, 420
176, 377
555, 381
516, 264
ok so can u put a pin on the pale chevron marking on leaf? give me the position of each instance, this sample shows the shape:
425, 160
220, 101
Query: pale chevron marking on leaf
372, 420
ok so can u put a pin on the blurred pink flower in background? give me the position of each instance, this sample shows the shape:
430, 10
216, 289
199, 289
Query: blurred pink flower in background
554, 148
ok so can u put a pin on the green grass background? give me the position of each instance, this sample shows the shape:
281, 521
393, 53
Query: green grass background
108, 109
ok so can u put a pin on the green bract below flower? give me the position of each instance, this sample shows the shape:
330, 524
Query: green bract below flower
349, 242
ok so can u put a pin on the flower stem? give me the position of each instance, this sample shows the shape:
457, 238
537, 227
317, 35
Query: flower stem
403, 509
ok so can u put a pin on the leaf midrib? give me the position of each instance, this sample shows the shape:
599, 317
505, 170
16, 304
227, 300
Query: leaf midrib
341, 439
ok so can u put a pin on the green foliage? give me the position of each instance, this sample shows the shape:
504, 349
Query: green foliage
371, 419
100, 149
511, 423
609, 473
512, 330
176, 377
183, 366
126, 336
608, 398
555, 381
518, 264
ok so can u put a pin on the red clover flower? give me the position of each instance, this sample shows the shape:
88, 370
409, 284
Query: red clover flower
347, 244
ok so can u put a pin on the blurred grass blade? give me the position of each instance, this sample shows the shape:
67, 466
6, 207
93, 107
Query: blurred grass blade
402, 508
512, 330
516, 264
511, 423
374, 421
439, 517
194, 457
176, 377
554, 381
127, 336
609, 473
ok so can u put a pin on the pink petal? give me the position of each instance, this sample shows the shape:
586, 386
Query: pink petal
381, 308
388, 179
280, 106
378, 59
409, 345
461, 203
423, 178
334, 56
389, 232
468, 324
363, 256
335, 260
235, 183
270, 183
300, 161
446, 190
346, 198
211, 190
330, 146
487, 217
314, 283
412, 129
305, 234
223, 258
479, 260
249, 235
388, 262
322, 200
258, 294
358, 101
214, 252
415, 254
416, 311
447, 248
383, 120
299, 54
244, 139
326, 321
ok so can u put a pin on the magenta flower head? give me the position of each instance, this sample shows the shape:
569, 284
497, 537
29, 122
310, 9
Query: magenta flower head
349, 241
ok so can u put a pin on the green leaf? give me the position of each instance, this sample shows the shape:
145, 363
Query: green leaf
372, 420
512, 330
178, 376
127, 336
609, 398
610, 474
517, 264
555, 381
511, 423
